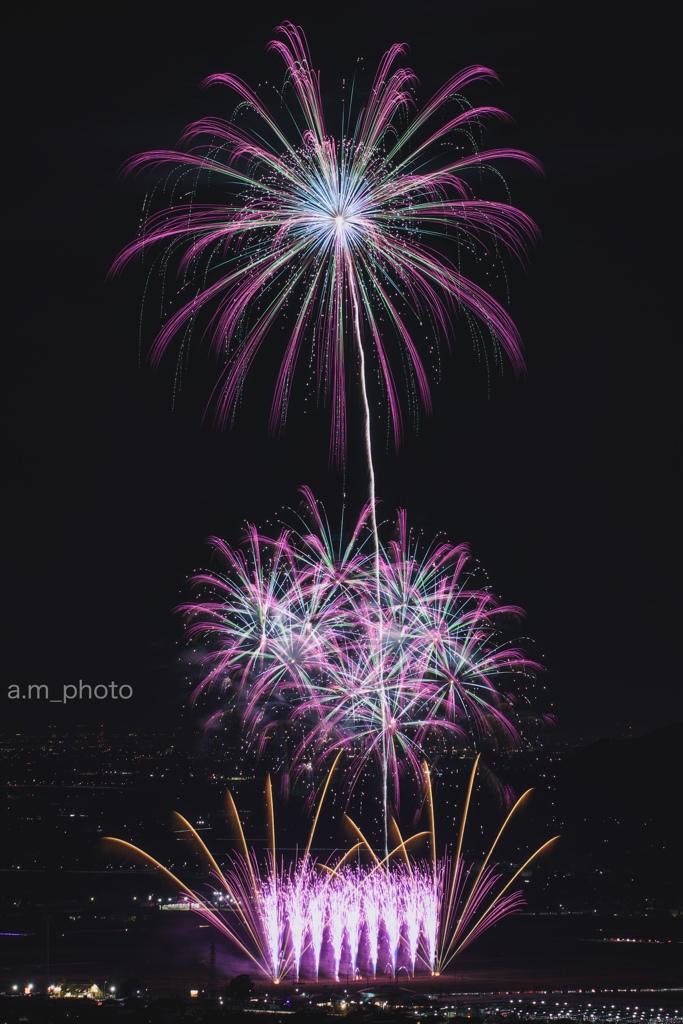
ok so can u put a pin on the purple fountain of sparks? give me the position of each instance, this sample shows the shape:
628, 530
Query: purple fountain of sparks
368, 919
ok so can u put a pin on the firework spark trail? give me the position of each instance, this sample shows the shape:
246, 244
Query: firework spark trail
291, 630
377, 647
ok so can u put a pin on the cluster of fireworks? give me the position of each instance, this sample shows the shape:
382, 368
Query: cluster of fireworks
294, 634
357, 648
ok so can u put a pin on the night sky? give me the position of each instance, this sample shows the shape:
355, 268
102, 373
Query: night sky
565, 483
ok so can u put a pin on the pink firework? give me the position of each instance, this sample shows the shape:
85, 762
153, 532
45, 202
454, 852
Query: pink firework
270, 216
298, 636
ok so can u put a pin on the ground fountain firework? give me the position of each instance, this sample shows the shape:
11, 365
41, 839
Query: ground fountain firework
362, 915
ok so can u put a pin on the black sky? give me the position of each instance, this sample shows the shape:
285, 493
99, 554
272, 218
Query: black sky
566, 483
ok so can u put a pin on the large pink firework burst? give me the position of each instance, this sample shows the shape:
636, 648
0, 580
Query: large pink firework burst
359, 242
294, 632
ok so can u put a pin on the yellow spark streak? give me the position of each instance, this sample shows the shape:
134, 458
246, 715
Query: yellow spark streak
319, 808
432, 824
381, 863
443, 963
203, 845
217, 921
449, 902
488, 856
401, 844
271, 819
247, 858
364, 840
